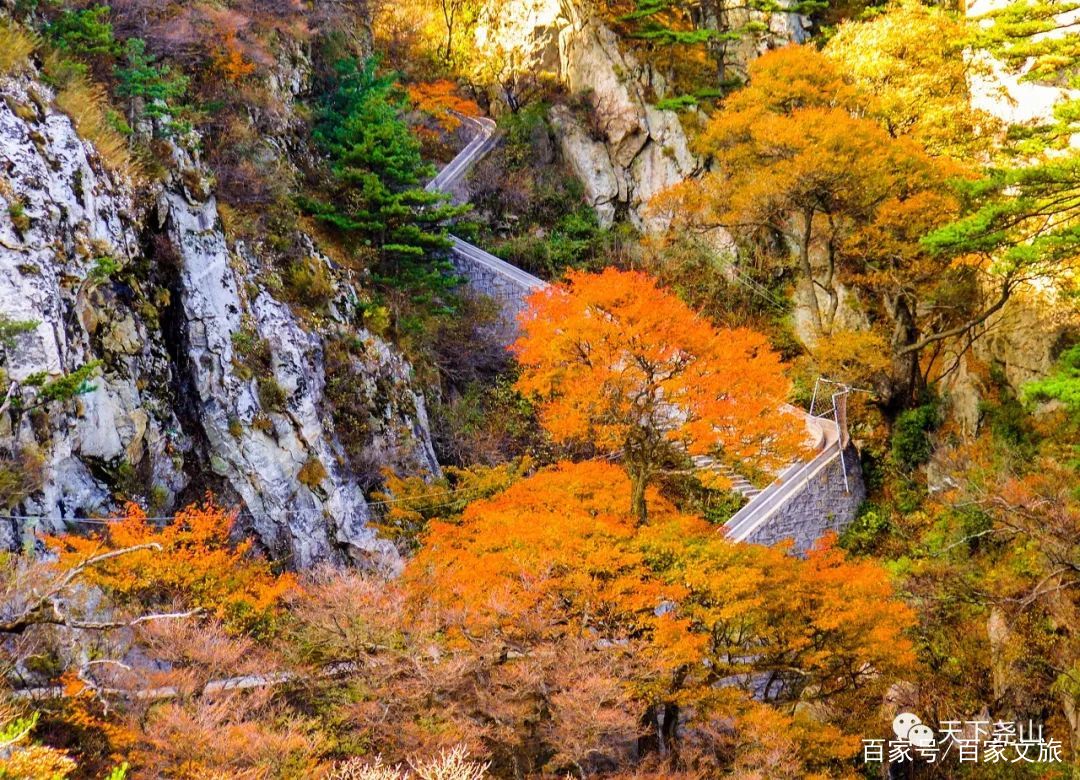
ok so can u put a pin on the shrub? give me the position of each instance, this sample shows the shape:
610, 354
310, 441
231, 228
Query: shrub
345, 395
412, 502
865, 532
11, 329
20, 220
21, 756
104, 269
911, 445
252, 356
20, 475
575, 240
196, 566
16, 46
85, 32
312, 474
449, 765
309, 282
272, 396
64, 388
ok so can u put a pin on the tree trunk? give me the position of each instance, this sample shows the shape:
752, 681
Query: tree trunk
669, 733
649, 741
808, 271
638, 505
905, 382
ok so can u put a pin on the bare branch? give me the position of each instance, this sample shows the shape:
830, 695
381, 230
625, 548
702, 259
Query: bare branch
46, 609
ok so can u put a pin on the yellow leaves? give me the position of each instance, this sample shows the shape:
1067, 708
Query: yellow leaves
196, 566
410, 502
855, 356
911, 60
35, 762
792, 78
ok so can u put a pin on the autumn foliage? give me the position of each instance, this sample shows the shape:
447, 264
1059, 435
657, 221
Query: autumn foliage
684, 622
197, 565
441, 100
625, 366
805, 176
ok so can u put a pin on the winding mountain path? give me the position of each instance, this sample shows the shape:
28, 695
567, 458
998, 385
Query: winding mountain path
809, 498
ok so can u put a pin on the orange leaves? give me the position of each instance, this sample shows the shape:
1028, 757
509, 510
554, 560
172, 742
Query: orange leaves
620, 363
197, 566
231, 62
551, 550
441, 100
555, 564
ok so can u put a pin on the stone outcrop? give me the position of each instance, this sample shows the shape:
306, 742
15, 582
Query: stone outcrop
624, 150
637, 150
75, 220
1018, 345
159, 295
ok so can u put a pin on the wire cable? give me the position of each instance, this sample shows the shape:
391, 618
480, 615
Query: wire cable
170, 518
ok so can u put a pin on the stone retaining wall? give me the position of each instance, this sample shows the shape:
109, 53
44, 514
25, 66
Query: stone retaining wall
823, 505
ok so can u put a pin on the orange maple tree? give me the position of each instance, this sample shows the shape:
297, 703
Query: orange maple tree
197, 565
704, 622
623, 365
441, 100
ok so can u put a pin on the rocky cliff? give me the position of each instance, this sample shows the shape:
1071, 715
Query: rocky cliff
201, 378
627, 150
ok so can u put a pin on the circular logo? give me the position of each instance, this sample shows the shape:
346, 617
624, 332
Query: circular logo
903, 723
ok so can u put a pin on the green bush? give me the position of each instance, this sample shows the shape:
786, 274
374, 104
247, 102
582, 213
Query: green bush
85, 32
575, 240
869, 527
911, 445
66, 387
11, 329
159, 89
1063, 385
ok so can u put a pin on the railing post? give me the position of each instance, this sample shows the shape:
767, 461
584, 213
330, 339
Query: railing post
840, 436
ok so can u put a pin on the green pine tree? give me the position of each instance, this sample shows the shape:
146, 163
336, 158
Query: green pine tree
377, 196
159, 89
687, 26
1024, 214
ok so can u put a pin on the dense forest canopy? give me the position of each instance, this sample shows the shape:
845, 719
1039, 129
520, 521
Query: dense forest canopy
524, 570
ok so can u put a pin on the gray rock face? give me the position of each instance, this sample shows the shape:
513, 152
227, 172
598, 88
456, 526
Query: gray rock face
628, 150
1022, 342
641, 150
174, 401
76, 220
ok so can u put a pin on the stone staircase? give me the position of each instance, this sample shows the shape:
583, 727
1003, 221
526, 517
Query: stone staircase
738, 483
